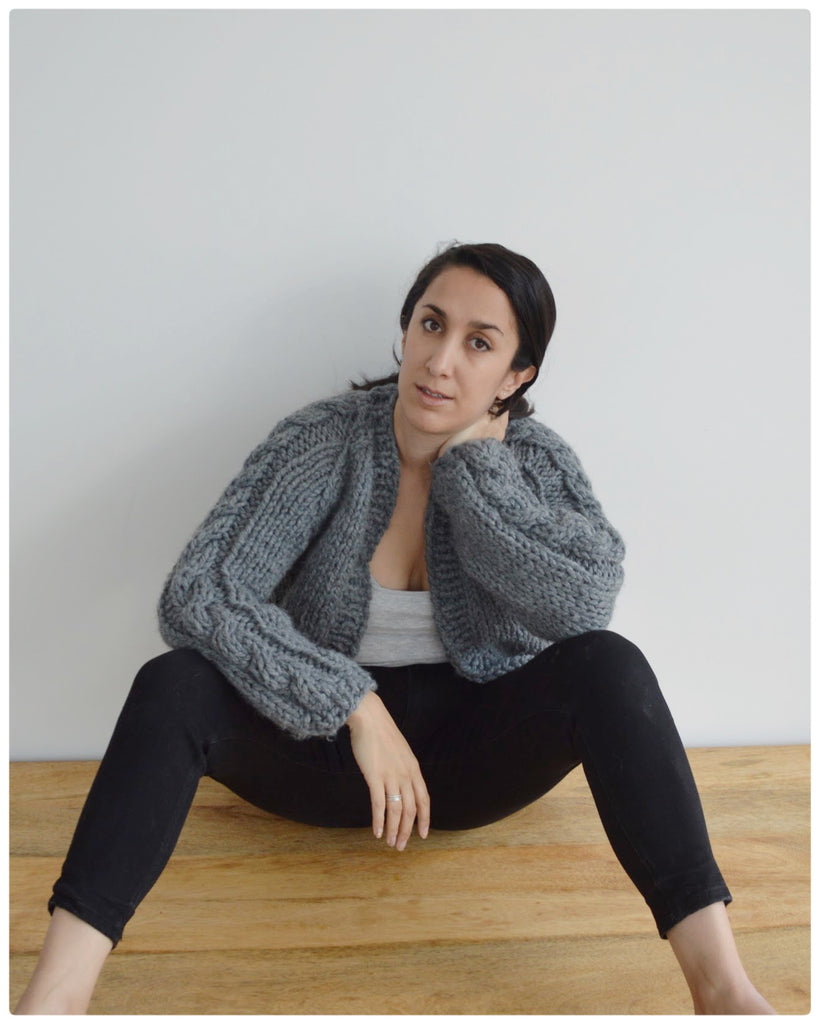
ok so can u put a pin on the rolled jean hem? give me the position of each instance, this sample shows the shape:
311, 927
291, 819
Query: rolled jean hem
87, 914
673, 914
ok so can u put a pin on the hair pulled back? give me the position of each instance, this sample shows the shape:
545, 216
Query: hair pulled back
530, 297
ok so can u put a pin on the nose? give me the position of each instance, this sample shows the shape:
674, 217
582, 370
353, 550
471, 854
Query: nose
440, 363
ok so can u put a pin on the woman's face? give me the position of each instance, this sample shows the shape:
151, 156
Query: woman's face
457, 351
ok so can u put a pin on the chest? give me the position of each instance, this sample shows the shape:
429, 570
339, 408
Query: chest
399, 561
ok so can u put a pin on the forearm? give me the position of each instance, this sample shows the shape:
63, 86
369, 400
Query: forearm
218, 597
531, 534
306, 689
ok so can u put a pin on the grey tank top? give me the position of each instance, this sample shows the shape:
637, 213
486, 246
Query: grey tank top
400, 629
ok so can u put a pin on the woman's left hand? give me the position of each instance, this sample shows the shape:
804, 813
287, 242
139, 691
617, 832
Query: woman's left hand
487, 426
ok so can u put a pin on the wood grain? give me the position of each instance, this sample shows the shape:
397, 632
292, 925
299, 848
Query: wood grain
533, 914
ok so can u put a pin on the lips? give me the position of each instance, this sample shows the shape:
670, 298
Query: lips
432, 395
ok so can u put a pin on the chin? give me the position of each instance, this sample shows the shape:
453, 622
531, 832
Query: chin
431, 421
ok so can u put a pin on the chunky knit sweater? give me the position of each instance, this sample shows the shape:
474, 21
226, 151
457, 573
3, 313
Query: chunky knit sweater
274, 587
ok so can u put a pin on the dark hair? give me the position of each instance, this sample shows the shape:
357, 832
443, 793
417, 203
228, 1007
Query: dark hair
530, 297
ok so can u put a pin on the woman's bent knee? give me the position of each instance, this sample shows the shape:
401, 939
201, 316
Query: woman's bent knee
180, 683
605, 645
182, 661
609, 668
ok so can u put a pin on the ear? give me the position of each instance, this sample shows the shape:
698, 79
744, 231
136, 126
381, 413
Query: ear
514, 380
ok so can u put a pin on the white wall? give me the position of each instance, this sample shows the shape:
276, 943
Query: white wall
215, 217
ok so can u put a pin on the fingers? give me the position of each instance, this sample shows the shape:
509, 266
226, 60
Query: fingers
377, 804
394, 818
414, 803
422, 808
396, 828
394, 810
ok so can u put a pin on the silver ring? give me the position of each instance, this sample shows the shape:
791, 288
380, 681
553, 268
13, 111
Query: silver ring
393, 797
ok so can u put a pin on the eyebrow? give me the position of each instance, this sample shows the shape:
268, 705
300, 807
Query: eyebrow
475, 324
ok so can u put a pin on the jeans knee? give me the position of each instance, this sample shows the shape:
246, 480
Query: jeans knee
603, 645
614, 670
176, 684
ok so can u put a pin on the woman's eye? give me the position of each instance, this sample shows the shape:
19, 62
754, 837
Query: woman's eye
429, 324
480, 344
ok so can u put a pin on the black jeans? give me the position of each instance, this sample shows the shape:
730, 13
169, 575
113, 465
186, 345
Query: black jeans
485, 751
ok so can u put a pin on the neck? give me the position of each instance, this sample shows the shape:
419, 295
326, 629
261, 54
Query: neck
417, 450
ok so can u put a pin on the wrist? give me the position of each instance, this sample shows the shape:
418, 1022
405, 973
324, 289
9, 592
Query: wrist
364, 710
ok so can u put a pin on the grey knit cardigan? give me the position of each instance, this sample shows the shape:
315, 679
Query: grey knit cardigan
274, 587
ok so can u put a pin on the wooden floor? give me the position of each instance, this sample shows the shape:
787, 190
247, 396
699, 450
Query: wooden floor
531, 915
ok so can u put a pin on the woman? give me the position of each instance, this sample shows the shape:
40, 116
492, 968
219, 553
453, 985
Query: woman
420, 574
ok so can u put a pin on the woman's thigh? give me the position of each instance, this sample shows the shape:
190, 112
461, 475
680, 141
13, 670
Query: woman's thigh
500, 745
183, 720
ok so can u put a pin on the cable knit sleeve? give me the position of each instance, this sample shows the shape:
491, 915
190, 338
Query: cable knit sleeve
526, 526
218, 597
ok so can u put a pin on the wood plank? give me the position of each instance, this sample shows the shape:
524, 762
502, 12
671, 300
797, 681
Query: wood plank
375, 871
180, 912
600, 975
257, 915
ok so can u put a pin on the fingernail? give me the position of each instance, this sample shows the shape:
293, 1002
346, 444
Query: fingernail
391, 840
378, 833
401, 845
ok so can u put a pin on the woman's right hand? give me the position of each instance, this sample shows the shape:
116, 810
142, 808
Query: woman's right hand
389, 766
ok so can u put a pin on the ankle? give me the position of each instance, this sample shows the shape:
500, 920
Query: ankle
52, 999
736, 997
68, 967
